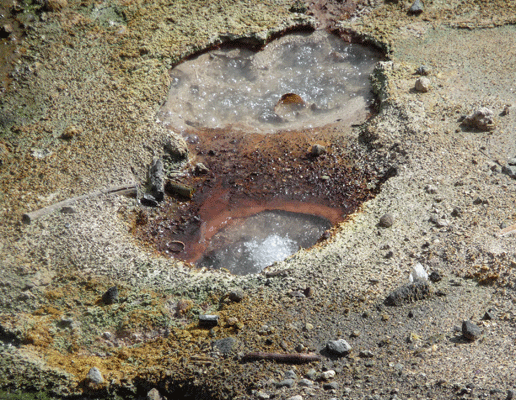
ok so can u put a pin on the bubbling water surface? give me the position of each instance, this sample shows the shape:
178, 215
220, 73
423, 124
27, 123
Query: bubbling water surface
239, 88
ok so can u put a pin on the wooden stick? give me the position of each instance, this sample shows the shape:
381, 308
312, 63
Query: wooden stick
123, 189
291, 358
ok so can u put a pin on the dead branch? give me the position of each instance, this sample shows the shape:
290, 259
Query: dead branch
120, 190
290, 358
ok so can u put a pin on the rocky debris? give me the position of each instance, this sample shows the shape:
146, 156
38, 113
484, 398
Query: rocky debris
418, 272
290, 374
296, 397
331, 386
416, 8
422, 85
366, 354
510, 168
224, 345
481, 119
236, 296
176, 148
489, 315
435, 276
470, 330
68, 210
305, 383
506, 110
94, 376
148, 200
327, 375
208, 320
153, 394
423, 70
157, 179
201, 169
6, 30
111, 295
386, 221
317, 150
414, 291
285, 383
338, 347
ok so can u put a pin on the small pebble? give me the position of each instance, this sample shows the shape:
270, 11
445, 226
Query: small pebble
416, 8
423, 70
470, 331
327, 375
386, 221
208, 321
285, 383
331, 386
489, 315
94, 376
422, 85
296, 397
311, 374
290, 374
366, 354
338, 347
305, 382
317, 150
262, 395
236, 296
153, 394
111, 295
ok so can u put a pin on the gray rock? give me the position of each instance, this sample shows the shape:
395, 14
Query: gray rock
423, 70
414, 291
509, 170
366, 354
435, 276
153, 394
416, 8
386, 221
176, 148
68, 210
208, 321
512, 161
481, 119
290, 374
157, 179
422, 85
331, 386
285, 383
305, 383
338, 347
489, 315
236, 296
470, 330
311, 374
201, 169
318, 150
111, 295
94, 376
224, 345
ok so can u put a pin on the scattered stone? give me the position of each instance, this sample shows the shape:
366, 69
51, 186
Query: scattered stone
208, 321
470, 330
148, 200
176, 148
355, 334
506, 110
327, 375
422, 85
510, 395
418, 272
262, 395
479, 201
423, 70
111, 296
416, 8
290, 374
232, 321
317, 150
300, 348
509, 170
386, 221
296, 397
435, 276
338, 347
285, 383
298, 7
201, 169
224, 345
305, 383
6, 30
108, 335
385, 317
68, 210
482, 119
431, 189
456, 212
236, 296
366, 354
414, 291
157, 179
489, 315
94, 376
331, 386
153, 394
311, 374
413, 338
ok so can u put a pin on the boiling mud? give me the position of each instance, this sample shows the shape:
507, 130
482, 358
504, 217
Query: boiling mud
241, 89
249, 245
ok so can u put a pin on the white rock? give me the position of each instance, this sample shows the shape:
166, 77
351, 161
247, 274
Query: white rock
326, 375
418, 273
422, 85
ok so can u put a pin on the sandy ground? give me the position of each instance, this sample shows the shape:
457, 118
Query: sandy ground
78, 115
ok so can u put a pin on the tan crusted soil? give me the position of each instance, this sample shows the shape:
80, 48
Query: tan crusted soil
79, 115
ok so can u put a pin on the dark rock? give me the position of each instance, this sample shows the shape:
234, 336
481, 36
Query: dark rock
290, 374
509, 170
5, 31
94, 376
435, 276
201, 169
311, 374
176, 148
285, 383
208, 321
236, 296
338, 347
416, 8
148, 200
386, 221
489, 315
414, 291
111, 296
423, 70
317, 150
224, 345
470, 330
510, 395
68, 210
331, 386
456, 212
157, 179
153, 394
